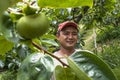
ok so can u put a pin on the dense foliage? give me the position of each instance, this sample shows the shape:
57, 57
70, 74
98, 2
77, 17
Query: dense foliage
104, 16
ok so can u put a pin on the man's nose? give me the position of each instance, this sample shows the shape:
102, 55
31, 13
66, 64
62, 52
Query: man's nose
70, 36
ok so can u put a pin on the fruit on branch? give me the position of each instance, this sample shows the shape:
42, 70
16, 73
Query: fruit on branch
28, 9
32, 26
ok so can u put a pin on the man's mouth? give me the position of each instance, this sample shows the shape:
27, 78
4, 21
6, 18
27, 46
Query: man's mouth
70, 42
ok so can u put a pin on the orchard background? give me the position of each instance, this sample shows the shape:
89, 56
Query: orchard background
99, 26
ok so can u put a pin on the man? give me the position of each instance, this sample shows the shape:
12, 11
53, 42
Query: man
67, 36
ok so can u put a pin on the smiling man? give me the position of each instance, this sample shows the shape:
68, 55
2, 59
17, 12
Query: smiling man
67, 36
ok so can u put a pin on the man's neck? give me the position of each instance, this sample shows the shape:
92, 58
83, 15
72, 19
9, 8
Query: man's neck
66, 52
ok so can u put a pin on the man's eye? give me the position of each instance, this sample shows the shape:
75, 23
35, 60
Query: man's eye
74, 33
66, 33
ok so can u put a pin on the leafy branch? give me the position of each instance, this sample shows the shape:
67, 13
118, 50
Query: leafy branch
45, 51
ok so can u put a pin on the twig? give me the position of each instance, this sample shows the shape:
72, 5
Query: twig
45, 51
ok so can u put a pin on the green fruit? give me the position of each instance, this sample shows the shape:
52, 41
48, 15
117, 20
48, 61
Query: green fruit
32, 26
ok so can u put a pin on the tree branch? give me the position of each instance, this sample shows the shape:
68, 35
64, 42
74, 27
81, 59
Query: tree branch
45, 51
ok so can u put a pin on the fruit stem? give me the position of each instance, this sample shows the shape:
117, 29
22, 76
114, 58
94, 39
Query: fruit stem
45, 51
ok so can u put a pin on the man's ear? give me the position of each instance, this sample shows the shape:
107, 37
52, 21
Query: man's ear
57, 36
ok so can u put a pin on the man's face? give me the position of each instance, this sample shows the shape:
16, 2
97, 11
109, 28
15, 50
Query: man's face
68, 37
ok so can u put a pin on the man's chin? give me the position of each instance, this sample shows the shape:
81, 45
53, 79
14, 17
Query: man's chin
70, 46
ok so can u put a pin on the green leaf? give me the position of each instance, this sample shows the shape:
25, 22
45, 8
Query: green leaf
117, 72
93, 66
5, 45
1, 64
109, 4
49, 39
7, 28
48, 36
64, 3
62, 73
79, 73
4, 4
36, 66
50, 42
